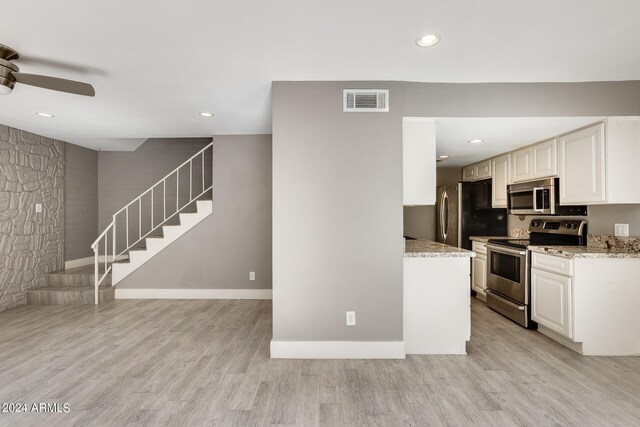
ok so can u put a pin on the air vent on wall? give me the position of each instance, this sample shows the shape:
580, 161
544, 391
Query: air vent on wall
359, 100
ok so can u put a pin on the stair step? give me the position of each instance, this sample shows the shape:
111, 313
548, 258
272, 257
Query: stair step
74, 277
163, 236
69, 295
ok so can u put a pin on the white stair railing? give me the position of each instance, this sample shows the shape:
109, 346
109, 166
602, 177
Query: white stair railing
116, 240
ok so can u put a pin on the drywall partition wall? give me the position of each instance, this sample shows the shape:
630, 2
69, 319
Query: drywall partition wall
124, 175
522, 99
81, 202
337, 216
219, 252
31, 242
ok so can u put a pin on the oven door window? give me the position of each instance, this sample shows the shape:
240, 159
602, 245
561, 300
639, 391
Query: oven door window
522, 200
505, 266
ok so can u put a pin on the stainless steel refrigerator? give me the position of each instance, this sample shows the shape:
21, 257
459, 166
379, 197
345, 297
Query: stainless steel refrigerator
464, 210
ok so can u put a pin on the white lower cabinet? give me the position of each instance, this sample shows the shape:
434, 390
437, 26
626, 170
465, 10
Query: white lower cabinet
479, 270
588, 304
551, 301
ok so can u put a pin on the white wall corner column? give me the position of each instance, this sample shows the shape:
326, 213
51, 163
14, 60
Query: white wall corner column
419, 161
437, 305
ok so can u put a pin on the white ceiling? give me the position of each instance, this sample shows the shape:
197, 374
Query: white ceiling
500, 134
155, 65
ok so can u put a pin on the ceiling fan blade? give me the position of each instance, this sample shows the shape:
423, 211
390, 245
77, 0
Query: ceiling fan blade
54, 83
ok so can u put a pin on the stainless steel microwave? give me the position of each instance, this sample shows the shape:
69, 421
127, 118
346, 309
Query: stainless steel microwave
540, 197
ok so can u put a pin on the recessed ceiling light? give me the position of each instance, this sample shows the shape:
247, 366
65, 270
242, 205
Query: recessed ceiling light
444, 156
427, 40
476, 141
206, 114
45, 115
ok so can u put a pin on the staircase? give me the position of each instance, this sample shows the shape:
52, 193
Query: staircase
138, 255
73, 286
138, 232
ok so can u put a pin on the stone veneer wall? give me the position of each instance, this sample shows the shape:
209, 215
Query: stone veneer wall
31, 244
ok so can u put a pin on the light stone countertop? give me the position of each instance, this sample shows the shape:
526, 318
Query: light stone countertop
584, 252
423, 248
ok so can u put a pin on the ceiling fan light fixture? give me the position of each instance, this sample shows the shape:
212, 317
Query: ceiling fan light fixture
206, 114
47, 115
476, 141
427, 40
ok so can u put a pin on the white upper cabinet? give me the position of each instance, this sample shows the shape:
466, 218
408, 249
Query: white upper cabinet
477, 171
419, 161
545, 158
483, 170
598, 164
469, 173
582, 166
521, 165
500, 173
536, 161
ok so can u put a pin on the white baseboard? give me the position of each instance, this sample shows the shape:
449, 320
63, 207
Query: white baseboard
337, 350
80, 262
193, 293
575, 346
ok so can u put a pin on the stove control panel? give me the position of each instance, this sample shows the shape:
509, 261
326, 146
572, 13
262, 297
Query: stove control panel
575, 227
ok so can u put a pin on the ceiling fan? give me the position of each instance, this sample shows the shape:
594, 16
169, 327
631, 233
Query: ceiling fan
10, 75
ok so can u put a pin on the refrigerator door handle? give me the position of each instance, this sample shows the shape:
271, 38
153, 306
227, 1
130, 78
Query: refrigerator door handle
441, 214
445, 216
459, 214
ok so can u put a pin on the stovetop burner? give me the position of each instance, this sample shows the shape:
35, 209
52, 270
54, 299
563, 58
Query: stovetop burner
514, 243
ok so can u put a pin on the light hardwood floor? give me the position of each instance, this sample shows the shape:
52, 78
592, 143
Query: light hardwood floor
207, 363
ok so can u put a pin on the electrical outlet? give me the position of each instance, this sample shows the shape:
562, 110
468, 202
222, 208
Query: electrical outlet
252, 275
621, 230
351, 318
38, 207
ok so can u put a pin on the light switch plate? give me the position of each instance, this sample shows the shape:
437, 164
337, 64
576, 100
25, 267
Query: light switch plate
252, 275
351, 318
621, 230
38, 207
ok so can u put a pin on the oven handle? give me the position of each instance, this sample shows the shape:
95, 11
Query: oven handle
506, 301
504, 250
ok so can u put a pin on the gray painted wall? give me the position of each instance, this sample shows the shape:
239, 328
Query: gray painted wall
337, 191
419, 222
31, 243
337, 217
220, 252
521, 99
81, 201
124, 175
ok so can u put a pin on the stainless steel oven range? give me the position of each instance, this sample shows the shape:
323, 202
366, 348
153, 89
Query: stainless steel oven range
508, 261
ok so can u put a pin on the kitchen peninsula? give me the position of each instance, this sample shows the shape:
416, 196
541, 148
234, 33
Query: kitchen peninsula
437, 316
